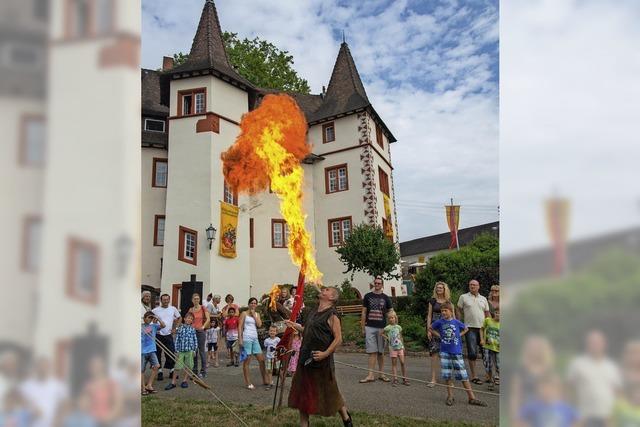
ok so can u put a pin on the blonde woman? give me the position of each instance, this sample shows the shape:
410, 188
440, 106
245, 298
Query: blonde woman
494, 298
441, 294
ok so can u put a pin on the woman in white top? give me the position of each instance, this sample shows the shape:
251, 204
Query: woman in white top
248, 339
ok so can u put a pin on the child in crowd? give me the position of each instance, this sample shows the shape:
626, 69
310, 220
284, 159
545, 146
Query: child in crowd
231, 328
490, 340
148, 344
393, 334
450, 332
186, 346
549, 407
212, 342
270, 344
296, 343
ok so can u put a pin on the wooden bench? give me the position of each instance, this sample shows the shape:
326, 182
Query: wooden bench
349, 309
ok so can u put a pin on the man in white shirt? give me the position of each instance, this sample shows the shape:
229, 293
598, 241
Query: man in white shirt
595, 380
170, 316
472, 309
44, 392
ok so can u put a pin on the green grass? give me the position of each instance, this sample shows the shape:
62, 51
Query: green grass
166, 412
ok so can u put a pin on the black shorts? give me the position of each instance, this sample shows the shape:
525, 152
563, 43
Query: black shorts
212, 346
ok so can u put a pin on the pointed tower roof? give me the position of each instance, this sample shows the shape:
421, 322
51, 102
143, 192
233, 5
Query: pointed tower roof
207, 51
345, 92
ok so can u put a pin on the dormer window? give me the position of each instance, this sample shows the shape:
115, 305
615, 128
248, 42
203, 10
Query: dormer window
154, 125
328, 132
192, 101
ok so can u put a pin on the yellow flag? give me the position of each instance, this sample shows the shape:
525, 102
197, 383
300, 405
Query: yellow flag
387, 213
228, 229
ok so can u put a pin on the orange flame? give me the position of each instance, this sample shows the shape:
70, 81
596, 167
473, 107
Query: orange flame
269, 150
274, 293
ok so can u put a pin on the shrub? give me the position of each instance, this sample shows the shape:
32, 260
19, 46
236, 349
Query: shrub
347, 292
402, 303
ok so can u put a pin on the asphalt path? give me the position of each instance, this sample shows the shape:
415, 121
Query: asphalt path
416, 400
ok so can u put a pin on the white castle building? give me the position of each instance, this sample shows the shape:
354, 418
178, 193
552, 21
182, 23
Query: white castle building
190, 116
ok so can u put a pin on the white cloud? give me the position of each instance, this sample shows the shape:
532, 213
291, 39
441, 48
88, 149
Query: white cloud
428, 75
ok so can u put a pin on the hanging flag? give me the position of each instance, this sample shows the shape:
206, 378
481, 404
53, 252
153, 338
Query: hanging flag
453, 220
228, 229
387, 213
558, 228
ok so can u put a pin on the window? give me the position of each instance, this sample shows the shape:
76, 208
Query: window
192, 102
251, 232
31, 244
104, 16
188, 245
78, 18
160, 172
279, 233
328, 133
384, 181
158, 231
23, 56
32, 142
336, 179
154, 125
82, 273
230, 196
339, 230
379, 139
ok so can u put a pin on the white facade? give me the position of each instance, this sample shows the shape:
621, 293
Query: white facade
195, 182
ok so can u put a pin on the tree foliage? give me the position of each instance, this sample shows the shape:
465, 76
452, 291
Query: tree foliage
179, 58
479, 260
368, 250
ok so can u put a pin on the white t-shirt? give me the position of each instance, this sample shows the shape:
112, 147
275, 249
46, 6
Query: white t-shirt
595, 382
212, 335
168, 316
473, 308
270, 345
46, 396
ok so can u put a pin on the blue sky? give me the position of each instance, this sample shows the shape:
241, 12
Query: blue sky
430, 69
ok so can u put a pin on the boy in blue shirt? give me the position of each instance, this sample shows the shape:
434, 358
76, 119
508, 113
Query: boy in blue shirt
450, 332
148, 344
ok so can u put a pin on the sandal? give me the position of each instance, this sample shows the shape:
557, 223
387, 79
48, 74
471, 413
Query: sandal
144, 392
384, 379
476, 381
450, 401
151, 390
366, 380
431, 384
406, 382
496, 380
476, 402
395, 383
251, 387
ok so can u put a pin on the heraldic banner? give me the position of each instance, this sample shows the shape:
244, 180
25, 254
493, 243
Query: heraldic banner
228, 229
387, 213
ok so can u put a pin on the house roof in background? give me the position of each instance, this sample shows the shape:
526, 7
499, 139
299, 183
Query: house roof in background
441, 241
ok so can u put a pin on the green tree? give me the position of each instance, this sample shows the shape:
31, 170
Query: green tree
368, 250
263, 64
479, 260
347, 292
260, 62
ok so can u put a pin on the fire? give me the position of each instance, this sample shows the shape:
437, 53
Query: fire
274, 293
268, 151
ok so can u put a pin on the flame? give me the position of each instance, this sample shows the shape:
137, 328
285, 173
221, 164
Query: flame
274, 293
268, 151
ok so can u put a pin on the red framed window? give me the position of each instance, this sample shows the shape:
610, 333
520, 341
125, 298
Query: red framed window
188, 245
160, 172
230, 196
384, 181
379, 139
32, 141
192, 101
339, 230
251, 232
336, 178
82, 270
32, 236
158, 230
279, 233
328, 132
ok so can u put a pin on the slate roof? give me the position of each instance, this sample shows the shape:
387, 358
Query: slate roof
151, 104
207, 51
441, 241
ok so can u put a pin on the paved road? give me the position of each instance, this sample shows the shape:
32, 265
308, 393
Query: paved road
416, 400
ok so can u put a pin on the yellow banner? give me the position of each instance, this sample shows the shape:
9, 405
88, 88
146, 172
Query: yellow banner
453, 217
387, 213
228, 229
